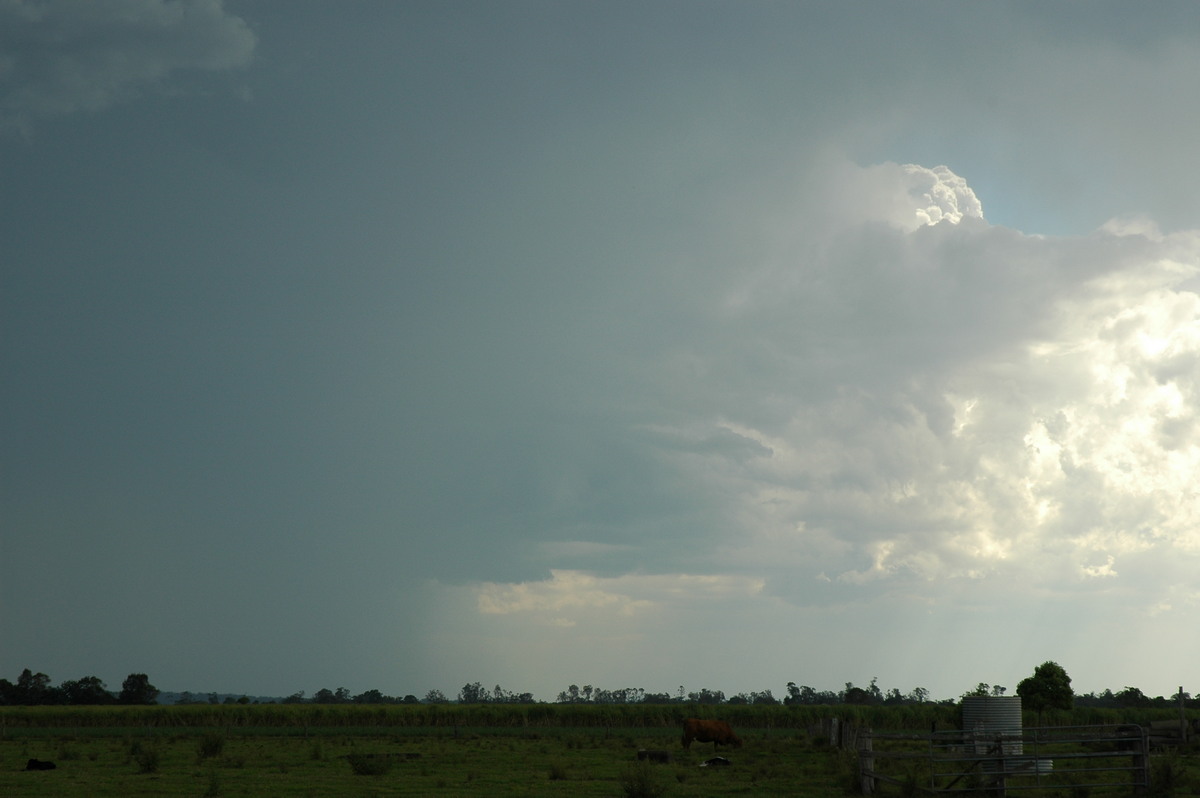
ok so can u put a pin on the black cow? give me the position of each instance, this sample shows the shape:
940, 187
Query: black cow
38, 764
662, 757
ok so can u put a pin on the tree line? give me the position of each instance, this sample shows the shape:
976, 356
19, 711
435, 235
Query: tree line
343, 696
33, 689
1048, 688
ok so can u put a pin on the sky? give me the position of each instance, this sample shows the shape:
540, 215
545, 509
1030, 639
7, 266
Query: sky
720, 345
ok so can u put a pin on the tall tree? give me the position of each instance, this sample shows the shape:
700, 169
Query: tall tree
1132, 697
765, 697
919, 695
473, 693
1048, 688
32, 688
856, 695
804, 694
706, 696
136, 689
88, 690
373, 697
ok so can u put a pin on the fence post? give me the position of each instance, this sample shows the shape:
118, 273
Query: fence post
866, 760
1000, 784
1183, 729
1141, 764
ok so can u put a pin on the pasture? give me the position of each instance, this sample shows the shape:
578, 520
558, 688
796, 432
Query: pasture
562, 761
454, 750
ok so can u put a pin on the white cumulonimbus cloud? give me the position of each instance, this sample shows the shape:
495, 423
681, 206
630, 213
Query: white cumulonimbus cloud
941, 195
59, 57
906, 404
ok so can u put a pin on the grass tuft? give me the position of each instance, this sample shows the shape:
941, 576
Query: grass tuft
641, 780
214, 784
211, 745
147, 759
370, 764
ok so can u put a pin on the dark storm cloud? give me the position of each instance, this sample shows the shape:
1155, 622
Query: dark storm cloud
558, 336
58, 57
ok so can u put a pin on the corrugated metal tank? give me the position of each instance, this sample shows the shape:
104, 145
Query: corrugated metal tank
988, 718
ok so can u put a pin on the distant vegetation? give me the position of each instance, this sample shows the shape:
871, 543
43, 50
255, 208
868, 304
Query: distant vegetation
1048, 689
34, 689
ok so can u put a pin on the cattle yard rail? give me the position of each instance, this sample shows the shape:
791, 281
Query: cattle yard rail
1108, 759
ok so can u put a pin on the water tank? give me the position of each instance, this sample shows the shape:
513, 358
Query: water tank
991, 720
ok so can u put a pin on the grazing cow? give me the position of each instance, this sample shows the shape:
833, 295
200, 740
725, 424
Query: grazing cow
38, 764
717, 732
662, 757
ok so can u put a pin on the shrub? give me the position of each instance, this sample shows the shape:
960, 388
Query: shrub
641, 780
369, 764
1166, 774
147, 760
214, 784
211, 745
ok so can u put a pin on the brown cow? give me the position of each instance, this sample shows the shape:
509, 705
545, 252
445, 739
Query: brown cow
717, 732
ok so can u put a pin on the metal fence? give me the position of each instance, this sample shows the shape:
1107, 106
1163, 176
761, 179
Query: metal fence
996, 761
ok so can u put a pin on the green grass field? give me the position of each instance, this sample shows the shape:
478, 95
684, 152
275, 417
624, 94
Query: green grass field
455, 750
420, 762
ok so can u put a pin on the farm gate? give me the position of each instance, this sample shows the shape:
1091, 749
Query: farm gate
994, 762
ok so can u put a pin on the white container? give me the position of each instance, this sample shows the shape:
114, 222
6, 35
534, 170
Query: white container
992, 725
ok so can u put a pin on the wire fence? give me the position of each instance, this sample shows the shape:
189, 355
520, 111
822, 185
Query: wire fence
1096, 760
